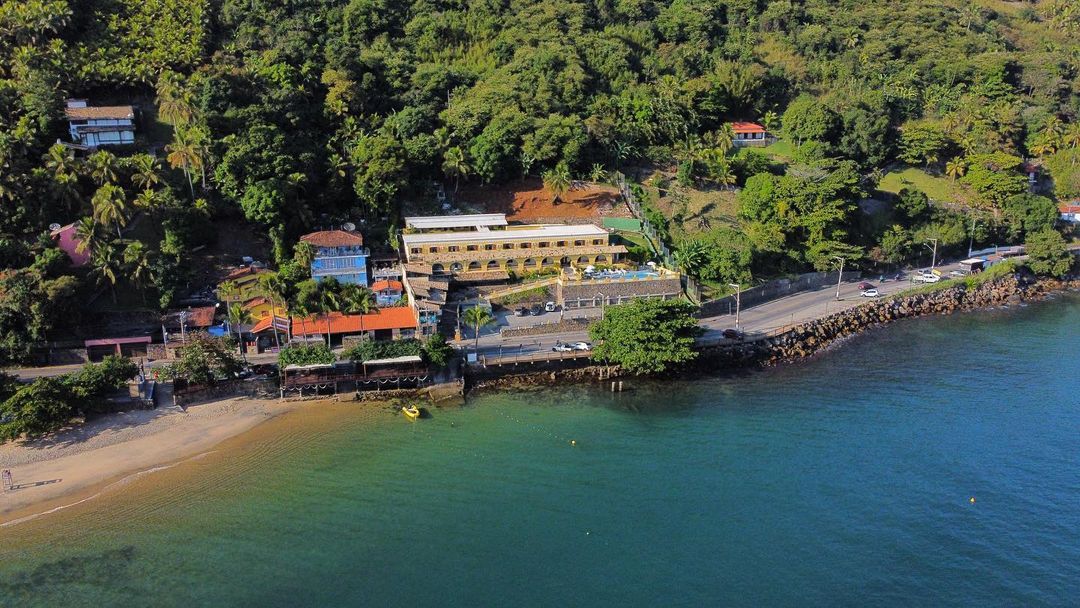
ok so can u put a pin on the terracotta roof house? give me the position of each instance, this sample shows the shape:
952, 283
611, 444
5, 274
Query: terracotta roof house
339, 254
748, 133
1070, 212
100, 126
387, 292
391, 323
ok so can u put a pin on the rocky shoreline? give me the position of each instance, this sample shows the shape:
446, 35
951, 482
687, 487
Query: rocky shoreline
808, 339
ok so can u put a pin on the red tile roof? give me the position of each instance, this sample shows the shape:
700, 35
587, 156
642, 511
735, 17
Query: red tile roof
747, 127
242, 272
384, 284
101, 112
1070, 208
333, 238
396, 317
201, 317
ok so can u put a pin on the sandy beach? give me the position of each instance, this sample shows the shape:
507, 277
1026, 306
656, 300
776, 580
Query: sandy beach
76, 464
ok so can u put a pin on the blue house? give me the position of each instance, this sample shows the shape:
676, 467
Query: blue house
339, 254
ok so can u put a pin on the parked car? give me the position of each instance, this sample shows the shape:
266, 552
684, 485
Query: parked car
550, 307
733, 334
536, 310
864, 285
958, 273
581, 346
562, 347
926, 278
870, 293
521, 312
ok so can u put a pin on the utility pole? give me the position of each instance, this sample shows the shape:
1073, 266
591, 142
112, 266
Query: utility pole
603, 301
738, 301
839, 278
971, 241
933, 260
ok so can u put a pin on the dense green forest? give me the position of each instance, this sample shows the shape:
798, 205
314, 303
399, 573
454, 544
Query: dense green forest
287, 114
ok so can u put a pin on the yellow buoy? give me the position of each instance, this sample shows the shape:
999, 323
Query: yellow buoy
972, 500
573, 442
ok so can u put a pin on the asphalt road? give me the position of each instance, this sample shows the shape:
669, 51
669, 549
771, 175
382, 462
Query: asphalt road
763, 318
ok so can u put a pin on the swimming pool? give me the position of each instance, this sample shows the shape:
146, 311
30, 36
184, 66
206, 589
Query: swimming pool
628, 275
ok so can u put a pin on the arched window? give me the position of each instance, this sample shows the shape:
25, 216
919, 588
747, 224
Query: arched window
529, 262
493, 265
455, 267
437, 268
474, 265
583, 259
601, 258
564, 261
546, 262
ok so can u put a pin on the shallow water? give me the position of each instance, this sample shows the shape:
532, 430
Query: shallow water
841, 481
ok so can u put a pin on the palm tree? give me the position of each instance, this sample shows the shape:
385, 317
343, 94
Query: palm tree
66, 188
238, 317
109, 206
139, 260
176, 104
557, 180
477, 317
769, 120
183, 153
304, 254
273, 287
328, 301
87, 234
148, 200
106, 266
60, 160
723, 139
356, 299
456, 165
147, 171
102, 166
724, 175
956, 167
1071, 137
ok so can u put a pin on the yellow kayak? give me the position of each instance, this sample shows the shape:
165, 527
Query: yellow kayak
411, 412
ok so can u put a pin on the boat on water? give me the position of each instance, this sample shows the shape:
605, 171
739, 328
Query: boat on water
411, 412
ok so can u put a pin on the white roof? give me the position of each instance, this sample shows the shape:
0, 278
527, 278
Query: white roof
401, 359
970, 261
456, 221
295, 367
552, 231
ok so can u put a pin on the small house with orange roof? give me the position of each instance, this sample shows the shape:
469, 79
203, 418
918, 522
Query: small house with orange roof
388, 292
749, 134
1070, 212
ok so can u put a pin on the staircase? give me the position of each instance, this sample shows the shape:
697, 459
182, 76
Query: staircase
520, 287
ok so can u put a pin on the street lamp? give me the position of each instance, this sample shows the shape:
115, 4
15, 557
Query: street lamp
738, 301
933, 260
841, 277
603, 300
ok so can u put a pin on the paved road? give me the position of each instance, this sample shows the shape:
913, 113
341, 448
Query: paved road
765, 317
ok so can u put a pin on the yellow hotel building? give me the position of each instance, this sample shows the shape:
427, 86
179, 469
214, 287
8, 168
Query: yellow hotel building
485, 244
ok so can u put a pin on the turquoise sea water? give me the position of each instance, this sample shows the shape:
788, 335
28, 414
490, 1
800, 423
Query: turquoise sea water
840, 481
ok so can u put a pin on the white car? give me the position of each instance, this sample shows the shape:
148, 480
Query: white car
581, 346
926, 278
550, 307
869, 293
562, 347
958, 273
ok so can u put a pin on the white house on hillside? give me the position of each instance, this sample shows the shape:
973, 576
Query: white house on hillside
100, 126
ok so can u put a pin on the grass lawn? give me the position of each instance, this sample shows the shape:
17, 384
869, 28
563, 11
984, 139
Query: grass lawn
782, 149
939, 189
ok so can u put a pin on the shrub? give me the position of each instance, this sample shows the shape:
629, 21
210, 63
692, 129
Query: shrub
306, 354
376, 349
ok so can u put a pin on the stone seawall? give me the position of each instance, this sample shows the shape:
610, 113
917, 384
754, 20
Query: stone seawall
809, 338
798, 343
